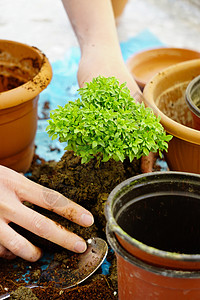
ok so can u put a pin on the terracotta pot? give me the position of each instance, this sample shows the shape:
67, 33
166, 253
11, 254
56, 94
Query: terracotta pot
118, 7
145, 64
153, 225
193, 100
165, 94
24, 73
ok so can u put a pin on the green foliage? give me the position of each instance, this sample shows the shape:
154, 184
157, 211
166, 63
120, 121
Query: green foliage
106, 122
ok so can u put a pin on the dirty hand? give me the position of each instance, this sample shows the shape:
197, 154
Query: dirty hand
14, 190
105, 62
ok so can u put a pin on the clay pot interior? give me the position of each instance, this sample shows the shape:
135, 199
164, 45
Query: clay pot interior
145, 64
165, 94
192, 97
15, 72
172, 103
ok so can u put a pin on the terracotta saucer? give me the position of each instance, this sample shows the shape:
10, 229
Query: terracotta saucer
145, 64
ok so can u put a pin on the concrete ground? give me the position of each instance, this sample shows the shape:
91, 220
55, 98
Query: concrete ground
44, 24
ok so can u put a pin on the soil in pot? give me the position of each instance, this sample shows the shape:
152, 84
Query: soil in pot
172, 104
9, 83
89, 185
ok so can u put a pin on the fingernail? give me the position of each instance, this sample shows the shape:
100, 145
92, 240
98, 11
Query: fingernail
39, 253
80, 246
87, 219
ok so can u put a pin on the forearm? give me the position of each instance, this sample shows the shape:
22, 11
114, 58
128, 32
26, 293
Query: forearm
93, 23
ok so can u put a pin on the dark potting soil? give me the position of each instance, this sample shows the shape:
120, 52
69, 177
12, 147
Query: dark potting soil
9, 82
89, 185
23, 293
16, 74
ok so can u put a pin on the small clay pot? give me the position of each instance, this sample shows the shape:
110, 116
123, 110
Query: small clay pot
118, 7
153, 225
145, 64
165, 94
192, 97
24, 73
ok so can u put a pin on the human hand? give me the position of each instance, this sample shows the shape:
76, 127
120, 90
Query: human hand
14, 190
106, 62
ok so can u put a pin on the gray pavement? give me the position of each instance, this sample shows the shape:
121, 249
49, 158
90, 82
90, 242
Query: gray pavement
44, 24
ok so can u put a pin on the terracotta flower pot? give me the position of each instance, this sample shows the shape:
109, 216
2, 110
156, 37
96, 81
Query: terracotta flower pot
193, 100
24, 73
118, 7
145, 64
165, 93
153, 225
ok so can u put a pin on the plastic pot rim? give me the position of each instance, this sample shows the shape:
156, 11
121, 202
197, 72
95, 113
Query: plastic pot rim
188, 94
115, 228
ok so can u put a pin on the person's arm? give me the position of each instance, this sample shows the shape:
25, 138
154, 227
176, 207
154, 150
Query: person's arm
94, 25
14, 190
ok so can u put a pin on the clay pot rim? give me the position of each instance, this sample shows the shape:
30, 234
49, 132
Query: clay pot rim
172, 127
145, 56
188, 98
114, 243
28, 90
114, 227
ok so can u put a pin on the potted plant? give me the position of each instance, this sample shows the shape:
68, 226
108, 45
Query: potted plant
192, 97
107, 133
25, 72
153, 226
106, 123
165, 94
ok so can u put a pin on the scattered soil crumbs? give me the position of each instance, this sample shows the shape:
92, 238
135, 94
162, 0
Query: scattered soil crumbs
89, 185
100, 288
23, 293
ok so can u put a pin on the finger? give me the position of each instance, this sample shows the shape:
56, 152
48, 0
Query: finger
59, 204
17, 244
138, 96
5, 253
32, 192
47, 229
147, 162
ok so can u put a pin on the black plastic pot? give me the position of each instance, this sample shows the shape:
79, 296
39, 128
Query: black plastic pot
153, 225
192, 97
